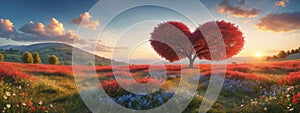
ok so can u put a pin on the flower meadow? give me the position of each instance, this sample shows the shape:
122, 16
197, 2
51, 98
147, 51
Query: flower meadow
248, 87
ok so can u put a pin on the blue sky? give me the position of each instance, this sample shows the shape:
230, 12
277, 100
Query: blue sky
256, 18
23, 11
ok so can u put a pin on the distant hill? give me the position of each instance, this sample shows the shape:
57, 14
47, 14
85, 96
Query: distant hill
293, 57
62, 51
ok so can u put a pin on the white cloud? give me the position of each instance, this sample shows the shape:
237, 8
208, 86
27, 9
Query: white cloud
55, 28
34, 28
84, 20
37, 32
6, 26
280, 22
237, 11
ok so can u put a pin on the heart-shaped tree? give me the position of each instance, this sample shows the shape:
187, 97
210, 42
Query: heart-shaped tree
174, 41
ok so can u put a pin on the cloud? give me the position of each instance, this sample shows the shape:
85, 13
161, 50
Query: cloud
84, 20
6, 25
55, 28
237, 10
281, 3
37, 32
34, 28
6, 28
100, 47
280, 22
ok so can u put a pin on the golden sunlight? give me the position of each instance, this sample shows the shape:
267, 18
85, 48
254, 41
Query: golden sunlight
258, 54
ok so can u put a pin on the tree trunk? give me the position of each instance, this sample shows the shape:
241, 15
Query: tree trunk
191, 60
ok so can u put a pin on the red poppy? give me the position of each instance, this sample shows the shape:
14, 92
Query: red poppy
295, 97
295, 101
29, 103
261, 97
22, 94
43, 108
32, 109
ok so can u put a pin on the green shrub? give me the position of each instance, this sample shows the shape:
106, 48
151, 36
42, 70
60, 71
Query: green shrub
53, 60
1, 57
36, 58
27, 57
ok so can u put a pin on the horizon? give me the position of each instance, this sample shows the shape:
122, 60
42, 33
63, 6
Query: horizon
168, 56
253, 23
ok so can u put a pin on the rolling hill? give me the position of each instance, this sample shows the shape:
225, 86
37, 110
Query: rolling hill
293, 56
14, 53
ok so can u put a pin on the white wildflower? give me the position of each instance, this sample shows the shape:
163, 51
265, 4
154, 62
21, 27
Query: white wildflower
40, 103
7, 93
8, 106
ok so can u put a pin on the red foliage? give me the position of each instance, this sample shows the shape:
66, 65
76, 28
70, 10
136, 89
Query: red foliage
171, 40
176, 43
207, 35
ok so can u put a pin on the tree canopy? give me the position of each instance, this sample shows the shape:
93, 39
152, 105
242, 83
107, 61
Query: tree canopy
27, 57
37, 58
54, 60
174, 41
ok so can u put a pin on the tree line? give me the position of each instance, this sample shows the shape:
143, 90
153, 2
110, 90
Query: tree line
28, 58
283, 54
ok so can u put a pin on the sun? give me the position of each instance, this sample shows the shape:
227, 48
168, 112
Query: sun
258, 54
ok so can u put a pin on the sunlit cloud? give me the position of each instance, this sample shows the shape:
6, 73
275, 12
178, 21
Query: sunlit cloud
281, 3
84, 21
37, 32
237, 10
6, 25
55, 27
280, 22
6, 28
34, 28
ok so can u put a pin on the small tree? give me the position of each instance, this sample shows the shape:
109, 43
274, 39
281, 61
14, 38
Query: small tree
53, 60
37, 58
269, 58
27, 58
1, 57
293, 51
297, 50
275, 57
288, 52
282, 54
174, 41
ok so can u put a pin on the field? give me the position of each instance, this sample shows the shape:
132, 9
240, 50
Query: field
254, 87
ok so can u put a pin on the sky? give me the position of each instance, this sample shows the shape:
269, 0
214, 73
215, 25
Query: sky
121, 29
